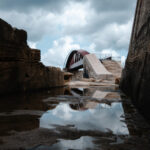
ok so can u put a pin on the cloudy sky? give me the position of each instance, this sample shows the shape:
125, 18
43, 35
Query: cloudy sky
58, 26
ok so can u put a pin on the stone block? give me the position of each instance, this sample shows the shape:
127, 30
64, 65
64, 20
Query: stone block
94, 68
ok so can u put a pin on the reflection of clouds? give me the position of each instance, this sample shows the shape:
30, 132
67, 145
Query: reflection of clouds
84, 142
102, 117
81, 143
63, 112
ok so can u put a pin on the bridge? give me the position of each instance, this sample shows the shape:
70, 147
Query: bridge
75, 60
93, 68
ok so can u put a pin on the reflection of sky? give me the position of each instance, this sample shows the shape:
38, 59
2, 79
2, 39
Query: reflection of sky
84, 142
101, 118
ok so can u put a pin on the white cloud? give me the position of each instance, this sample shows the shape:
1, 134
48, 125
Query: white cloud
113, 36
59, 51
27, 6
97, 25
37, 24
123, 59
107, 53
111, 53
75, 15
32, 44
91, 48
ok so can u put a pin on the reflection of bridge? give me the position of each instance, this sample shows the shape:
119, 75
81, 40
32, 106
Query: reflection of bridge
75, 60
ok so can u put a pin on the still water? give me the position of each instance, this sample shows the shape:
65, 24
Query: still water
97, 117
79, 118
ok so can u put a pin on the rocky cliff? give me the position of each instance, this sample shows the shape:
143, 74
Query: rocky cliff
135, 80
20, 66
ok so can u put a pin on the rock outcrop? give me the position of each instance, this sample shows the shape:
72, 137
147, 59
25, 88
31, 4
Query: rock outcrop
135, 80
20, 66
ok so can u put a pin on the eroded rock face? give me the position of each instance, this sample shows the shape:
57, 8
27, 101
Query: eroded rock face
20, 66
135, 80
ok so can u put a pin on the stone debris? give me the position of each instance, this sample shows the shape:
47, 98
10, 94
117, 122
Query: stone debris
94, 68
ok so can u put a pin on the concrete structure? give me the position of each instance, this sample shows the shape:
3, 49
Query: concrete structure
93, 68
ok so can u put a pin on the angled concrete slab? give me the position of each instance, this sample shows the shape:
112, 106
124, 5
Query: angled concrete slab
93, 68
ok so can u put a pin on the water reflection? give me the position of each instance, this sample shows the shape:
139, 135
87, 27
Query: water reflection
22, 112
97, 93
101, 117
82, 143
69, 119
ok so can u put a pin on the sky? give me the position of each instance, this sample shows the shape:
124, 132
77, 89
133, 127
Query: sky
57, 27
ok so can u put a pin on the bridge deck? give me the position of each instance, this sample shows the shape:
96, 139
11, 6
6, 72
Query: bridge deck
76, 65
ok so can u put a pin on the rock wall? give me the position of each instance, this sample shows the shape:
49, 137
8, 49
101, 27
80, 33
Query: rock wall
135, 80
20, 66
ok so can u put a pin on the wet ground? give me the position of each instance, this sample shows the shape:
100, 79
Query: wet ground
95, 118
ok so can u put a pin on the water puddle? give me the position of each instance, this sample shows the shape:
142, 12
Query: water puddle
80, 118
82, 143
91, 116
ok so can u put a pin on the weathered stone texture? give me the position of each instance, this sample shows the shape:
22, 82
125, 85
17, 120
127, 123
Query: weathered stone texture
20, 66
94, 68
113, 66
135, 80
